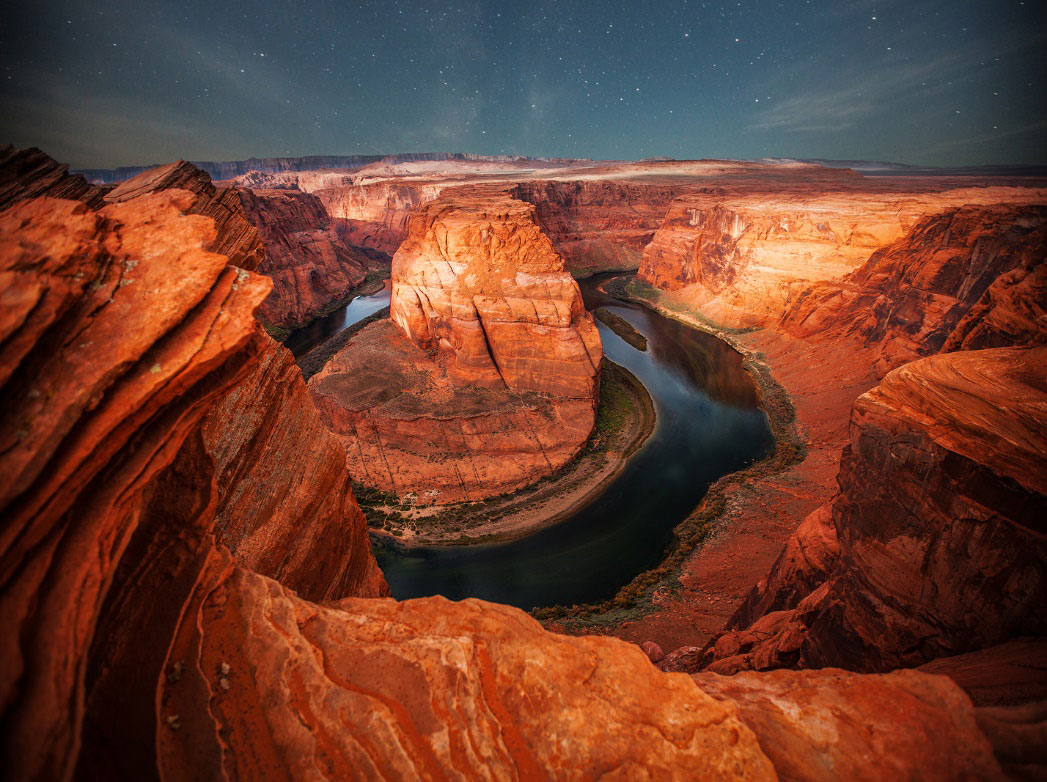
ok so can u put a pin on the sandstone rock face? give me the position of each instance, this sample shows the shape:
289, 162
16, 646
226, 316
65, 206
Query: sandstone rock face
411, 428
309, 263
124, 330
598, 226
376, 215
969, 278
831, 725
285, 501
935, 543
425, 689
479, 282
29, 173
488, 380
120, 334
235, 237
739, 259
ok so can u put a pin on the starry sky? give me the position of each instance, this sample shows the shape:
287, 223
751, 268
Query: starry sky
125, 82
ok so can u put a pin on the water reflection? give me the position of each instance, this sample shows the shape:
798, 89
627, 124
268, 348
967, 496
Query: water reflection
301, 341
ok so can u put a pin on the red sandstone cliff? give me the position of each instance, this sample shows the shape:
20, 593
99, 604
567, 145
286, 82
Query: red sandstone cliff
969, 278
934, 544
29, 173
596, 225
489, 380
235, 237
310, 265
740, 259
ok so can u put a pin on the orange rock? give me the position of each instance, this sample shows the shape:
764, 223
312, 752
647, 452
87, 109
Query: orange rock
739, 258
134, 331
969, 278
939, 522
235, 237
426, 689
831, 725
494, 385
477, 279
29, 173
309, 263
285, 500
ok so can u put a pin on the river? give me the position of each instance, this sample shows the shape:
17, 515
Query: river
708, 424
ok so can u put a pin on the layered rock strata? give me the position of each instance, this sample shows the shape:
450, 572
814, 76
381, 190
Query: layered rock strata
309, 263
29, 173
121, 334
598, 226
489, 378
970, 278
739, 260
235, 237
934, 544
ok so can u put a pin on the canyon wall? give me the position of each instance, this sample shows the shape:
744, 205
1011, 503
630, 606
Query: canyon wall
598, 226
969, 278
739, 260
489, 378
934, 544
309, 262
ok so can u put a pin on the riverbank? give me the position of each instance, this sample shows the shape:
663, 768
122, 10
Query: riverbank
625, 419
733, 537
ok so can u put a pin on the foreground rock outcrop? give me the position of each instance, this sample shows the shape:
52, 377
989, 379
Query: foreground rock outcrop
121, 334
935, 543
235, 237
488, 381
30, 173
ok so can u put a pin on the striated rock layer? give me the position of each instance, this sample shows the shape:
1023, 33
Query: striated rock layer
29, 173
934, 544
235, 237
969, 278
488, 380
309, 263
120, 334
740, 259
477, 281
410, 427
598, 226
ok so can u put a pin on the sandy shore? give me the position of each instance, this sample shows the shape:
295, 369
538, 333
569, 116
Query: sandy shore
625, 420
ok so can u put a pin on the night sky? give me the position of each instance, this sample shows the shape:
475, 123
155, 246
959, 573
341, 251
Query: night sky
106, 83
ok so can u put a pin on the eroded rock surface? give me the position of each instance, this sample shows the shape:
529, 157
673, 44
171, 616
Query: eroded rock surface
121, 333
739, 259
235, 237
30, 173
310, 265
935, 543
488, 380
970, 278
830, 725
